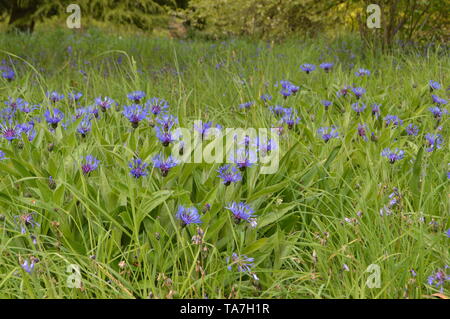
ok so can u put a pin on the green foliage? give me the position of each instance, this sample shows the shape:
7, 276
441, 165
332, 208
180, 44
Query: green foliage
122, 232
263, 18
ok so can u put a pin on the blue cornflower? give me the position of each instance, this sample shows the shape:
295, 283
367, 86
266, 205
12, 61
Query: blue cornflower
165, 136
434, 85
448, 230
229, 174
437, 112
90, 164
75, 96
135, 113
358, 91
9, 131
80, 112
437, 100
241, 211
362, 72
2, 155
290, 118
243, 158
157, 106
308, 67
266, 97
327, 66
28, 266
278, 110
15, 104
28, 129
85, 126
434, 141
327, 133
243, 263
344, 91
93, 110
53, 117
136, 96
26, 108
264, 145
138, 168
246, 105
26, 220
104, 103
9, 75
54, 96
375, 109
288, 88
204, 128
362, 131
393, 119
439, 278
164, 164
188, 215
167, 121
412, 129
326, 103
393, 155
358, 107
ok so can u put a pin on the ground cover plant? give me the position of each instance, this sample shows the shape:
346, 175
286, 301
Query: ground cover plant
93, 206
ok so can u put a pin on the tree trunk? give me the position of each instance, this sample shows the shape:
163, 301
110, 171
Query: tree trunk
20, 18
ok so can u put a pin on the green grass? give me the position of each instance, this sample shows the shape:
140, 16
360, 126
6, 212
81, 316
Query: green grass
301, 242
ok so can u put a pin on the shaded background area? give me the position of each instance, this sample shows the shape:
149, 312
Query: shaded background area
401, 20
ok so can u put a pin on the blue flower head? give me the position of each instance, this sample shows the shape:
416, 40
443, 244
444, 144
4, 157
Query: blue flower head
392, 119
437, 100
164, 164
53, 117
54, 96
434, 85
437, 112
84, 126
412, 129
243, 158
308, 68
138, 168
393, 155
241, 211
326, 104
104, 103
229, 174
135, 113
90, 164
157, 106
434, 141
188, 215
439, 278
327, 133
9, 75
242, 263
362, 72
75, 96
358, 107
327, 66
358, 91
375, 109
136, 96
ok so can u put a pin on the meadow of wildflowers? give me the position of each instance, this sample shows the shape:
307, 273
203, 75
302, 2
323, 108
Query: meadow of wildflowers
90, 175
